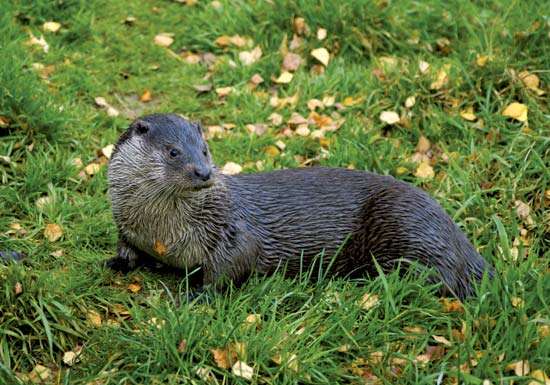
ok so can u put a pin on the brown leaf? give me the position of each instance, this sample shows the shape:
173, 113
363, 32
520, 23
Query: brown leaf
94, 318
300, 26
221, 357
291, 62
146, 96
424, 171
18, 288
451, 305
442, 340
134, 288
256, 79
423, 145
53, 232
250, 57
203, 87
224, 91
182, 346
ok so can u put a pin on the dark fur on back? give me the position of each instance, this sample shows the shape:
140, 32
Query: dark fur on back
257, 222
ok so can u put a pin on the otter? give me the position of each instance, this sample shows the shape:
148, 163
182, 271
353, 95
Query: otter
171, 204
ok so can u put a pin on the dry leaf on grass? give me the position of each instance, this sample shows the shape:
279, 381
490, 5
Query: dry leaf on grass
224, 91
53, 232
134, 288
410, 101
94, 318
284, 78
442, 340
517, 111
468, 114
146, 96
291, 62
231, 168
39, 41
423, 144
368, 301
389, 117
164, 39
424, 171
321, 34
250, 57
423, 66
322, 55
241, 369
520, 368
51, 26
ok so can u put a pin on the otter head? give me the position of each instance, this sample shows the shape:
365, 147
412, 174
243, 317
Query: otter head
164, 152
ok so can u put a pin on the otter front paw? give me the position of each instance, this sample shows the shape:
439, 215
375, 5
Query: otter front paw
126, 259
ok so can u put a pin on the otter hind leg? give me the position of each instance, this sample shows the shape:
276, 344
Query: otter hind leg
128, 258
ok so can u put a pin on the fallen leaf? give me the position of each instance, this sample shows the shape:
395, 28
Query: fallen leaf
241, 369
516, 111
92, 168
134, 288
300, 26
517, 302
442, 340
231, 168
451, 305
203, 87
146, 96
520, 368
182, 346
256, 79
224, 91
389, 117
236, 40
43, 202
321, 34
322, 55
101, 102
424, 171
53, 232
481, 60
284, 78
276, 119
410, 101
107, 151
368, 301
164, 39
250, 57
280, 144
94, 318
51, 26
312, 104
40, 374
423, 144
423, 66
221, 357
291, 62
468, 114
18, 288
303, 130
442, 78
522, 209
531, 81
296, 119
253, 319
257, 128
540, 376
41, 42
70, 358
272, 151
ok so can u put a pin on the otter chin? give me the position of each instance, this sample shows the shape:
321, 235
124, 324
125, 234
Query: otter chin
234, 225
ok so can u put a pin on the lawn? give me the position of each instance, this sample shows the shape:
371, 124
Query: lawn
450, 97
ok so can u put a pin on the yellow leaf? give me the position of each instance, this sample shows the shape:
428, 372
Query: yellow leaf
303, 130
531, 81
33, 40
520, 368
481, 60
442, 78
272, 151
107, 151
540, 376
94, 318
134, 288
241, 369
389, 117
368, 301
53, 232
321, 34
231, 168
40, 374
146, 96
92, 168
322, 55
276, 119
517, 111
164, 39
468, 114
424, 171
51, 26
423, 66
517, 302
284, 78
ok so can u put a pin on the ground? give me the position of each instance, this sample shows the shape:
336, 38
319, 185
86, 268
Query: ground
450, 97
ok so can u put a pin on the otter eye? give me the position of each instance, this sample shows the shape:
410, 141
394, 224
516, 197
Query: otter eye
174, 152
205, 152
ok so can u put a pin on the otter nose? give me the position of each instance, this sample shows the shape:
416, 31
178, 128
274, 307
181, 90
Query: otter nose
202, 173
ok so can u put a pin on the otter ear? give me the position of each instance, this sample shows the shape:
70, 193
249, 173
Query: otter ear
140, 127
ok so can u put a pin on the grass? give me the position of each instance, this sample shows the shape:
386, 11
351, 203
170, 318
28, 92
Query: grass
493, 162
